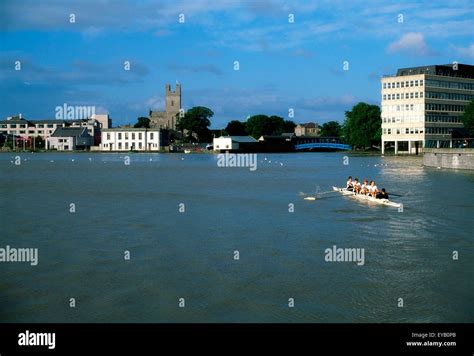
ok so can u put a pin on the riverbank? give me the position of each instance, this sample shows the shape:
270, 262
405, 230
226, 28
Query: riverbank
450, 158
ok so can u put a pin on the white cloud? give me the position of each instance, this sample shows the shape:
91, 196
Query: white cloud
412, 42
467, 52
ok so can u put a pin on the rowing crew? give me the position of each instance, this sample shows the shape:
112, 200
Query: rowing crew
365, 188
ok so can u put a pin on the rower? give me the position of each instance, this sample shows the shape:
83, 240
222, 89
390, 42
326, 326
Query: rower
364, 189
350, 184
382, 194
356, 185
372, 189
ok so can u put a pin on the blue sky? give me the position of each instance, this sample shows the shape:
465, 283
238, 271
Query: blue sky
283, 65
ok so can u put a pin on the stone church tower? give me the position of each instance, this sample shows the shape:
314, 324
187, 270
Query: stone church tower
167, 119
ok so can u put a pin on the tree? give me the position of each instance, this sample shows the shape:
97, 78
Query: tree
332, 129
362, 125
195, 122
289, 126
259, 125
236, 128
468, 118
142, 122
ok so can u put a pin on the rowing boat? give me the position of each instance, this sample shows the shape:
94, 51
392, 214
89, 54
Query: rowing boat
369, 198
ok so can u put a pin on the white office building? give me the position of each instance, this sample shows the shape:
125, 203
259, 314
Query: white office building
422, 106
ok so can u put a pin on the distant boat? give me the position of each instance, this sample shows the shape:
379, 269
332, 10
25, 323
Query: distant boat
209, 147
187, 151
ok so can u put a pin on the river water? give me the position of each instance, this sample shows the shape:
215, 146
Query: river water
184, 220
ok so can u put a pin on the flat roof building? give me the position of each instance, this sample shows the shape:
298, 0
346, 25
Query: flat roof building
233, 143
422, 106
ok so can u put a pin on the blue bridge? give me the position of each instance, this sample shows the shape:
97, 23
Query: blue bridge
310, 143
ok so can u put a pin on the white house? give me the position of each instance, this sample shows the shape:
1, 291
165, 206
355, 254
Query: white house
69, 139
130, 139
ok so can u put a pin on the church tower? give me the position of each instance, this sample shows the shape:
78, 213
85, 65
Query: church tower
167, 119
173, 99
173, 104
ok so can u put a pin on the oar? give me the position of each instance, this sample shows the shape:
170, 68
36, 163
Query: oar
316, 198
318, 194
396, 195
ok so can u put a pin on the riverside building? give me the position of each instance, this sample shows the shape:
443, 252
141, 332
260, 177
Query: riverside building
422, 106
131, 139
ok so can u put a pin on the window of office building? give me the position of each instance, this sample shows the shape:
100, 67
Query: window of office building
126, 137
139, 135
398, 84
133, 136
119, 135
151, 135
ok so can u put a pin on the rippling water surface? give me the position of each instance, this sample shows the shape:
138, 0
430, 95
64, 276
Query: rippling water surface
191, 254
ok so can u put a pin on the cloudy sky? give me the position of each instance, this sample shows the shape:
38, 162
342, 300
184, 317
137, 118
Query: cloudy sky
74, 52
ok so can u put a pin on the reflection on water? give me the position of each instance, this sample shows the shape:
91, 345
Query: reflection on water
191, 254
